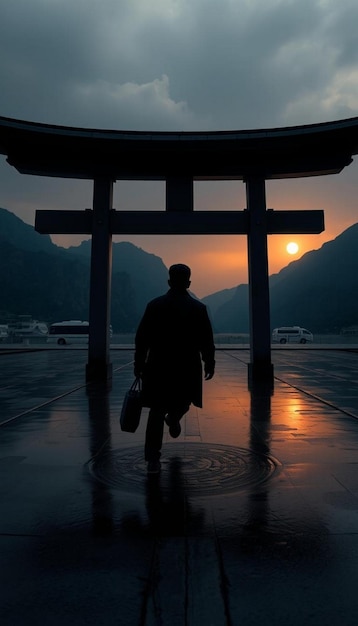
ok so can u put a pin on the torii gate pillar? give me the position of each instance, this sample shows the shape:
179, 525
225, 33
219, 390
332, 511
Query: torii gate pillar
99, 366
260, 366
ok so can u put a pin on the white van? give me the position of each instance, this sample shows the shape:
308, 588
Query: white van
291, 334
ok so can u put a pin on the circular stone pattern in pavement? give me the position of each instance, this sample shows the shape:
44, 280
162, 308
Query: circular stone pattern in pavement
200, 469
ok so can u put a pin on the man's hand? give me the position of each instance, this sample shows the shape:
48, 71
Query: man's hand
209, 371
138, 371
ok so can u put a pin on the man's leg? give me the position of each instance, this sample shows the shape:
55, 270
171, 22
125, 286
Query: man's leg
173, 419
154, 434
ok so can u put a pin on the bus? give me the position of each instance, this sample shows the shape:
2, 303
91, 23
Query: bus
67, 332
70, 331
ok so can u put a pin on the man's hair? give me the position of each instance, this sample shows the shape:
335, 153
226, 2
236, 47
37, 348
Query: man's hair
179, 275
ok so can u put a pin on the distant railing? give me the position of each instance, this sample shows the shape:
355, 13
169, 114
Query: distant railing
220, 339
244, 339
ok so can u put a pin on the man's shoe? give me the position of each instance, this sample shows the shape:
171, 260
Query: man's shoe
174, 427
153, 467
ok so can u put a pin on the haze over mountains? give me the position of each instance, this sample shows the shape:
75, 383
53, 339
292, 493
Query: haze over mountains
318, 291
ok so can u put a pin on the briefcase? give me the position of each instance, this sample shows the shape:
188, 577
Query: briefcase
132, 407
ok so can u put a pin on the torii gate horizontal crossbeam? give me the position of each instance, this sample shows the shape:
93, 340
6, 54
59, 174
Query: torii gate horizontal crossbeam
256, 222
179, 223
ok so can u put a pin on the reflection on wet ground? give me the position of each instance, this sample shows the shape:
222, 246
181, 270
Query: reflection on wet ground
253, 518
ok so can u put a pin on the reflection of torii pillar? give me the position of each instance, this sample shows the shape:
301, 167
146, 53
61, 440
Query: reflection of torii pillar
179, 218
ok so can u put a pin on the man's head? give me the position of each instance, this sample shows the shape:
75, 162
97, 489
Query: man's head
179, 276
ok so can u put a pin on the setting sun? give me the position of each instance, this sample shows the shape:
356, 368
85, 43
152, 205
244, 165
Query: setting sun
292, 247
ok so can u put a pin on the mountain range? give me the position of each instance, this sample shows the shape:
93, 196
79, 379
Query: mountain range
318, 291
51, 283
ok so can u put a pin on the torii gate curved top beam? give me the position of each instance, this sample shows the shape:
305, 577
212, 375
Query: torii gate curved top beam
49, 150
179, 158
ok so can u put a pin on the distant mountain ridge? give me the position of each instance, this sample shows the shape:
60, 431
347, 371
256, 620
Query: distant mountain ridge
52, 283
23, 236
143, 268
318, 291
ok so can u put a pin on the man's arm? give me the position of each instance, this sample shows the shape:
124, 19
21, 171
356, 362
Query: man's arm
208, 346
141, 345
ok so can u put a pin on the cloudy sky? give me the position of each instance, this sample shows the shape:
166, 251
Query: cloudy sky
183, 65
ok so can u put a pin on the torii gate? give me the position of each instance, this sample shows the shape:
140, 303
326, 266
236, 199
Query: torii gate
179, 218
179, 159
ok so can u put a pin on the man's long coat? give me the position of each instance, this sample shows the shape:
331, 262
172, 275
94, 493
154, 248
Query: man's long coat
173, 338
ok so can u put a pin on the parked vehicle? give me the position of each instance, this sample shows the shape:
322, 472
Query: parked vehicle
25, 326
291, 334
69, 332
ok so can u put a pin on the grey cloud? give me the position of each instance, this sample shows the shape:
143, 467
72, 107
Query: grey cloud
139, 106
340, 32
176, 65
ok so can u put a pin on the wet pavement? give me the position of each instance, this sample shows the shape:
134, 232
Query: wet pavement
253, 519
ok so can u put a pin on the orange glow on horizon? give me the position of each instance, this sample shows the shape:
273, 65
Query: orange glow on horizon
217, 263
278, 257
220, 262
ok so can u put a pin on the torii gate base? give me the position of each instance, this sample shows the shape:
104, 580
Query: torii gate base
179, 218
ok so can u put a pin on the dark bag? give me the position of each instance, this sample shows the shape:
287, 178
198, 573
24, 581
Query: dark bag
132, 408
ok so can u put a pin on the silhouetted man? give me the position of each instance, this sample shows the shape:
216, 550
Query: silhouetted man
173, 338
